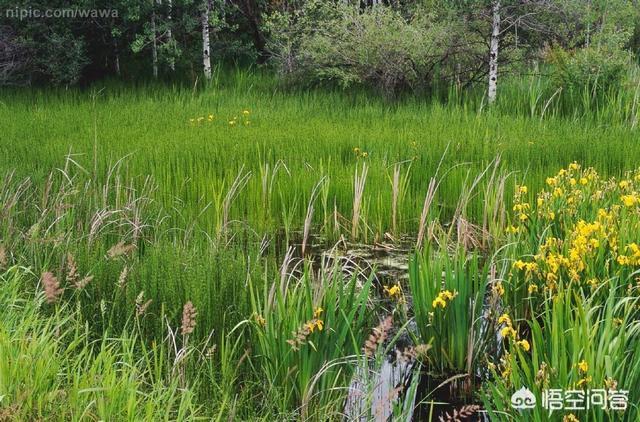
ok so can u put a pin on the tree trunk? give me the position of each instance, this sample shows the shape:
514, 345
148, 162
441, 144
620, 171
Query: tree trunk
172, 63
116, 52
493, 51
206, 46
154, 40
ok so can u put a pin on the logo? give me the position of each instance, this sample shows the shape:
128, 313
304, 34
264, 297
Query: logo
558, 399
523, 399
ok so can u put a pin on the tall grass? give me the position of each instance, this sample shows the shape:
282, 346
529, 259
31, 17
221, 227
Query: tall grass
262, 175
160, 230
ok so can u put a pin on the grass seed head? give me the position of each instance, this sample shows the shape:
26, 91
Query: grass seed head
52, 290
4, 260
189, 314
378, 336
122, 279
72, 269
120, 249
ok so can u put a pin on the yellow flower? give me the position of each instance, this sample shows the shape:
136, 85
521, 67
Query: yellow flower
583, 366
574, 166
570, 418
519, 264
314, 324
394, 291
245, 112
524, 344
438, 301
508, 332
584, 181
365, 154
623, 260
623, 184
522, 189
498, 289
210, 117
448, 294
552, 181
506, 372
512, 229
504, 319
532, 288
317, 312
232, 122
629, 200
583, 381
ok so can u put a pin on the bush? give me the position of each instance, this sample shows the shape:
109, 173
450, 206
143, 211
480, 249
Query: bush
592, 69
377, 47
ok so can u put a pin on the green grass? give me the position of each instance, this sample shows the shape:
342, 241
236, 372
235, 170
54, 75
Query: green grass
311, 135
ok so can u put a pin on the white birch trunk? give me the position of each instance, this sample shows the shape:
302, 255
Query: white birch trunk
206, 46
493, 52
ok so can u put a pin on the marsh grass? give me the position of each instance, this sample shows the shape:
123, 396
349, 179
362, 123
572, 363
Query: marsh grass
127, 203
262, 174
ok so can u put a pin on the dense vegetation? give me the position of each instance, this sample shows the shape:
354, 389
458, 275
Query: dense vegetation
179, 248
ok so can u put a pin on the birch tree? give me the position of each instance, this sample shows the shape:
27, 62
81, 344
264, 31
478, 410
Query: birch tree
206, 46
493, 51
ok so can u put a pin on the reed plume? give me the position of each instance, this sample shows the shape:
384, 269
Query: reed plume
119, 249
465, 412
141, 305
122, 278
3, 258
72, 269
189, 314
52, 290
378, 336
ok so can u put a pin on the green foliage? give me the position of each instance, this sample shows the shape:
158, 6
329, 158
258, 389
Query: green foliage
51, 368
448, 294
591, 71
201, 209
575, 343
377, 47
307, 333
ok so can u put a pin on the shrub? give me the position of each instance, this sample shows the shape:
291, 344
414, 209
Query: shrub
593, 70
377, 47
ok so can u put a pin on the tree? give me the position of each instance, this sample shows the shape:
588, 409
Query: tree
493, 51
206, 45
13, 57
